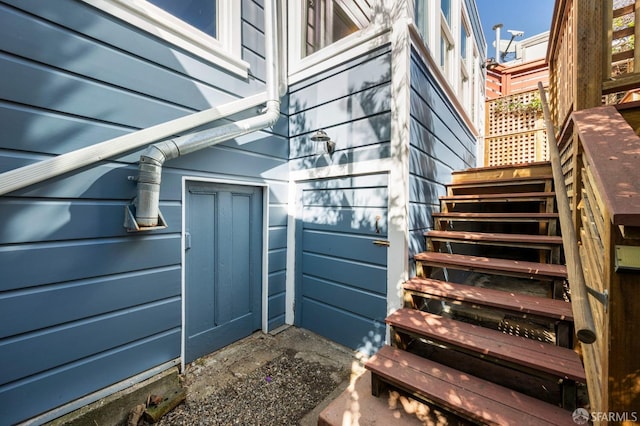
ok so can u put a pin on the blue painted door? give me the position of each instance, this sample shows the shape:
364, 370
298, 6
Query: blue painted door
223, 244
341, 261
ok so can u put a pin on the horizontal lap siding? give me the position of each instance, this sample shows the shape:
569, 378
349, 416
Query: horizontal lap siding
352, 104
341, 279
440, 143
103, 304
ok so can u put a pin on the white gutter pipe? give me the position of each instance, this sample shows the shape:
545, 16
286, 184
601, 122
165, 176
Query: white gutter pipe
496, 28
31, 174
151, 161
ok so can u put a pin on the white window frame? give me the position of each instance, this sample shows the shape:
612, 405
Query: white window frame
465, 69
225, 50
426, 24
445, 34
300, 67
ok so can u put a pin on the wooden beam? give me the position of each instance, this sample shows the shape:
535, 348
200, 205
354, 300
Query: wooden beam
607, 27
588, 33
622, 83
636, 29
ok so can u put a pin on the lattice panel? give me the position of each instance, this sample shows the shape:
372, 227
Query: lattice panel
515, 130
515, 149
509, 114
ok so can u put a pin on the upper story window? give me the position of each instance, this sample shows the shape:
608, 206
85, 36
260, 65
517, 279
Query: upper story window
328, 21
464, 37
446, 48
422, 17
445, 7
201, 14
210, 29
328, 32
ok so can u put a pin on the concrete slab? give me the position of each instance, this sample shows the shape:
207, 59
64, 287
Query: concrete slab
356, 406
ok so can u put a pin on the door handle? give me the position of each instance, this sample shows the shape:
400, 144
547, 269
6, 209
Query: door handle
381, 243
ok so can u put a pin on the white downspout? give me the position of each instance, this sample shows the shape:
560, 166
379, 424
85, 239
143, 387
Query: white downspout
496, 28
41, 171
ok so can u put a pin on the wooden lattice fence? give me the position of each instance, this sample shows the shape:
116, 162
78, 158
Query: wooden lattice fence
515, 130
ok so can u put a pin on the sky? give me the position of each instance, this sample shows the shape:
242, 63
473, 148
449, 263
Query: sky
531, 16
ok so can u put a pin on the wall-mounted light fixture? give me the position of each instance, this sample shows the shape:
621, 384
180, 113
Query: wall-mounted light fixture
322, 137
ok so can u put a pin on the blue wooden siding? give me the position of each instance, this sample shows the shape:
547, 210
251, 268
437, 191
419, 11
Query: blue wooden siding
351, 103
84, 304
440, 142
342, 279
341, 276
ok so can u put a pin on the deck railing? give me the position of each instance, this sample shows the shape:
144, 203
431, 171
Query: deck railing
592, 55
583, 318
599, 160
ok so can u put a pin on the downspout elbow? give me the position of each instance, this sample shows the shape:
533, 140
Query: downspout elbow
149, 176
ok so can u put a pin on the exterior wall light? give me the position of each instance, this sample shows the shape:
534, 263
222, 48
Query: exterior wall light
322, 137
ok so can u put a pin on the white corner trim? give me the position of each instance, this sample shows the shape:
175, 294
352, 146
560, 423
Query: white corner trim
224, 52
398, 215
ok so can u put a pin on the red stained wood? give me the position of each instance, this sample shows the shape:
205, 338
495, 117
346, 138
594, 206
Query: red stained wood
492, 265
517, 196
474, 398
550, 308
518, 351
613, 150
512, 239
511, 217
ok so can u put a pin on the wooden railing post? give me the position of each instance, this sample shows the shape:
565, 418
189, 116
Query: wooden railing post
607, 37
588, 33
583, 318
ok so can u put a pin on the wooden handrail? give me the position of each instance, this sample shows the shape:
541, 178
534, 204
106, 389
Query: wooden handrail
583, 318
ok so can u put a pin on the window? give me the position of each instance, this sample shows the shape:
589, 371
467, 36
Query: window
198, 13
464, 64
445, 54
445, 6
422, 19
464, 37
328, 21
447, 42
209, 29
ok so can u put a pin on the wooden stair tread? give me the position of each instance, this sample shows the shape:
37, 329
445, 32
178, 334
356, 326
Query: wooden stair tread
495, 237
531, 305
519, 351
533, 217
493, 265
471, 397
512, 196
506, 168
505, 181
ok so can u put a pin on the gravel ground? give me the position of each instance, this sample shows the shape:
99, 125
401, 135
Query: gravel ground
262, 380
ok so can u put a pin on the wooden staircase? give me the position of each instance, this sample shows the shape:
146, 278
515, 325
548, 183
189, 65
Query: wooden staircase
486, 331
